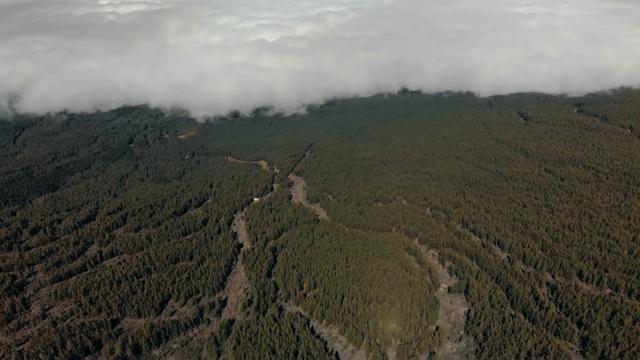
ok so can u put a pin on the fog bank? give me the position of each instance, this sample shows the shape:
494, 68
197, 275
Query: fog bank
212, 57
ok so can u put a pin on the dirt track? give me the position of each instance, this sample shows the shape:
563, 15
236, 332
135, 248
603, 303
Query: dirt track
299, 196
451, 315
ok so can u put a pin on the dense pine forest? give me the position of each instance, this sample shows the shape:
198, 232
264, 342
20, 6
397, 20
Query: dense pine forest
365, 228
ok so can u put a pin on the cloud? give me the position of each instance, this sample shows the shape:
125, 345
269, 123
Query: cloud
215, 56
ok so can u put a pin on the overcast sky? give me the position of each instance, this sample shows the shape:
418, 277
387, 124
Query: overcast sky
215, 56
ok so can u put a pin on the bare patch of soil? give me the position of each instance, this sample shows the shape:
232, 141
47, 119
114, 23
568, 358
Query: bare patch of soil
239, 226
451, 315
92, 249
235, 292
337, 342
237, 286
188, 134
299, 196
263, 164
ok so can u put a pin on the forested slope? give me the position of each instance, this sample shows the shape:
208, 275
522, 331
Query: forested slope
536, 204
117, 239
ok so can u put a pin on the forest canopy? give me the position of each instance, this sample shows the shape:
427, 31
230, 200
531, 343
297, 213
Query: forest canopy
140, 233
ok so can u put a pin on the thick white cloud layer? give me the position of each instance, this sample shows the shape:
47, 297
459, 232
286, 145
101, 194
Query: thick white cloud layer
215, 56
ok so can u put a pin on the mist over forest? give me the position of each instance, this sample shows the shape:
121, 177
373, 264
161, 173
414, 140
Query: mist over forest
214, 57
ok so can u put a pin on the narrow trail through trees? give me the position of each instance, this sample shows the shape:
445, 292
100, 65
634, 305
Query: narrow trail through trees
263, 164
237, 287
299, 196
235, 292
451, 315
299, 192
